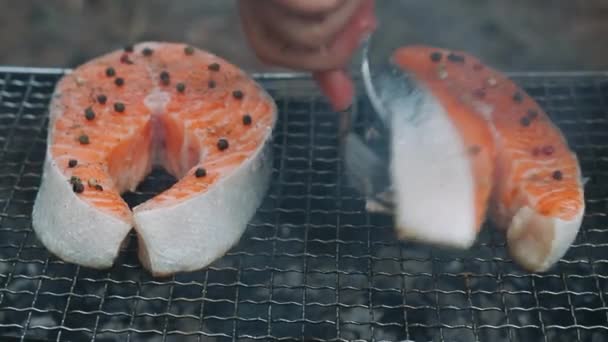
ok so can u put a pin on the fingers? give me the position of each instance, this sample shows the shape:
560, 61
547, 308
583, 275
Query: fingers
308, 31
279, 39
313, 35
337, 86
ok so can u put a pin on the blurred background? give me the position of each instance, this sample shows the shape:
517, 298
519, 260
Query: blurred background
515, 35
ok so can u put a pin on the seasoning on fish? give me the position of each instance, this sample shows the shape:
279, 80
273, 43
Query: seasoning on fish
452, 57
214, 67
211, 84
189, 50
442, 74
110, 72
222, 144
125, 59
84, 139
247, 120
180, 87
540, 219
102, 99
119, 107
548, 150
72, 163
518, 97
164, 77
78, 187
238, 94
119, 81
198, 219
200, 172
557, 175
89, 114
436, 56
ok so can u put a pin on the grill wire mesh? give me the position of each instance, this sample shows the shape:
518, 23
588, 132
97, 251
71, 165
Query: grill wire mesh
312, 265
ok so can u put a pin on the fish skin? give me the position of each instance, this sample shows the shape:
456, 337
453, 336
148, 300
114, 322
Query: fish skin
70, 228
432, 170
160, 125
540, 213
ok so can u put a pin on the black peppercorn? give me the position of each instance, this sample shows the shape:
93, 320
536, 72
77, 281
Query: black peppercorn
84, 139
89, 114
200, 172
518, 97
110, 72
222, 144
452, 57
164, 77
119, 107
557, 175
78, 187
237, 94
436, 56
246, 119
125, 59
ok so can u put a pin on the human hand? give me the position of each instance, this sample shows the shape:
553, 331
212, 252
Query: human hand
312, 35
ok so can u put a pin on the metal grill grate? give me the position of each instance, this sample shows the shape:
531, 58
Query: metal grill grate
312, 264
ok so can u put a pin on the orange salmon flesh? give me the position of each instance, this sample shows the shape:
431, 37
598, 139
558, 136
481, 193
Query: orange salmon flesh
180, 120
535, 190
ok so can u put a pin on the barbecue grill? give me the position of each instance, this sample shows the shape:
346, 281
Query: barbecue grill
312, 264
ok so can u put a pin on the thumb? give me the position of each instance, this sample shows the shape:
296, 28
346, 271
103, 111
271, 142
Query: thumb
337, 86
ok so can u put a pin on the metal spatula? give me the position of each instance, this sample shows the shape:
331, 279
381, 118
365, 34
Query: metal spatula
366, 150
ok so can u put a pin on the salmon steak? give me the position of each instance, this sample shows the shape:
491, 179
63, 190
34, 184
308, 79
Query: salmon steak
466, 145
154, 104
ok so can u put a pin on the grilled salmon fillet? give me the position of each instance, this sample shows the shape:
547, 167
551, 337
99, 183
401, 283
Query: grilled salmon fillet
163, 104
